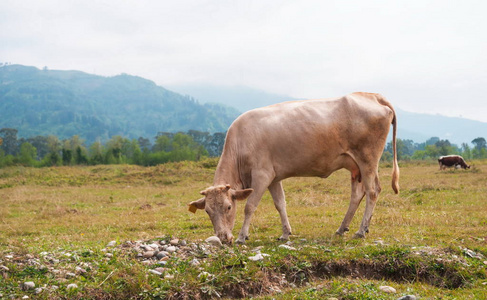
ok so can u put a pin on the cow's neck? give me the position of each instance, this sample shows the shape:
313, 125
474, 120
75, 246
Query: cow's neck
227, 171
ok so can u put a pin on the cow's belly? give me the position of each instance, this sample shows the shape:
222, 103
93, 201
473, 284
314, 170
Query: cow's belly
323, 167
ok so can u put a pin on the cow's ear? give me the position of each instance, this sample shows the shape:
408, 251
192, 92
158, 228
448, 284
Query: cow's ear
198, 204
242, 194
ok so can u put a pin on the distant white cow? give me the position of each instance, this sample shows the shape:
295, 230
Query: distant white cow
300, 138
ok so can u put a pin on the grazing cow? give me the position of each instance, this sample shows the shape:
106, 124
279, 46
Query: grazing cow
452, 161
300, 138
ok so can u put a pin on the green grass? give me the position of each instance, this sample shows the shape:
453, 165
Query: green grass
63, 218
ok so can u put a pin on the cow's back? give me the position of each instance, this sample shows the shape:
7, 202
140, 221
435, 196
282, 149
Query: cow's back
308, 138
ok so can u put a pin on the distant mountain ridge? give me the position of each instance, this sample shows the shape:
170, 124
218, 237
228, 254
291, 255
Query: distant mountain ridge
241, 97
67, 103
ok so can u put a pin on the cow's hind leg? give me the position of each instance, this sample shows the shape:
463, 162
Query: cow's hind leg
372, 190
280, 203
358, 193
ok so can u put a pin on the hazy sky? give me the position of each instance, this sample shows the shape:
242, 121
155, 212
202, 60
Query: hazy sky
424, 56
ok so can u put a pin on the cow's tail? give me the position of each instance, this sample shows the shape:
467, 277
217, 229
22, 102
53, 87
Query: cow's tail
395, 166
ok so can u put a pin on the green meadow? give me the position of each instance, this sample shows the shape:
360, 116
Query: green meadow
429, 241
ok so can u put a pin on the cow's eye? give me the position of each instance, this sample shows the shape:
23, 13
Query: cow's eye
229, 207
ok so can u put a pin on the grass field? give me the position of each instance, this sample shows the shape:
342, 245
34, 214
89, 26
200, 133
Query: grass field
55, 223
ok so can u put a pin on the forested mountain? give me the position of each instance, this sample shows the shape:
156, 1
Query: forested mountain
68, 103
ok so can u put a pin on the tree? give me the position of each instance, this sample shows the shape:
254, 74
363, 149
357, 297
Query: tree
114, 154
144, 143
466, 152
41, 144
67, 156
10, 144
479, 143
479, 150
96, 153
80, 156
444, 147
135, 153
53, 144
419, 155
27, 155
432, 151
163, 143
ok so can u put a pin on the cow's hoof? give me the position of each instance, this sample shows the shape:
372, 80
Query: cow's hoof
283, 238
341, 232
359, 235
241, 240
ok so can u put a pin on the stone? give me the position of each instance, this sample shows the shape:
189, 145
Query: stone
112, 244
387, 289
72, 286
407, 297
148, 254
174, 242
162, 254
171, 249
287, 247
195, 262
257, 257
155, 272
214, 240
70, 275
38, 291
160, 269
147, 248
80, 270
28, 285
154, 246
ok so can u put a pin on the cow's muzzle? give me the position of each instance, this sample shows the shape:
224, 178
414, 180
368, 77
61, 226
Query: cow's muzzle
226, 238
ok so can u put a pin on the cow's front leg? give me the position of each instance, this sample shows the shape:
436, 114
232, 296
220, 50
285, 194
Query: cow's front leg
280, 203
250, 208
260, 182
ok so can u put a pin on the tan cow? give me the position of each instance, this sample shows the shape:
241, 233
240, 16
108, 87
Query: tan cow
300, 138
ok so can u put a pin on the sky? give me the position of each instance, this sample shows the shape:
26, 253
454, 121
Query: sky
424, 56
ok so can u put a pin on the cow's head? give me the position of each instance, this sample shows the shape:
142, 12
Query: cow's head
219, 202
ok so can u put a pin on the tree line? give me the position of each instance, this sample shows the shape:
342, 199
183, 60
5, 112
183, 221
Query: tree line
41, 151
434, 148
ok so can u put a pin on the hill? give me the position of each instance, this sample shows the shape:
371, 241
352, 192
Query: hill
67, 103
414, 126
